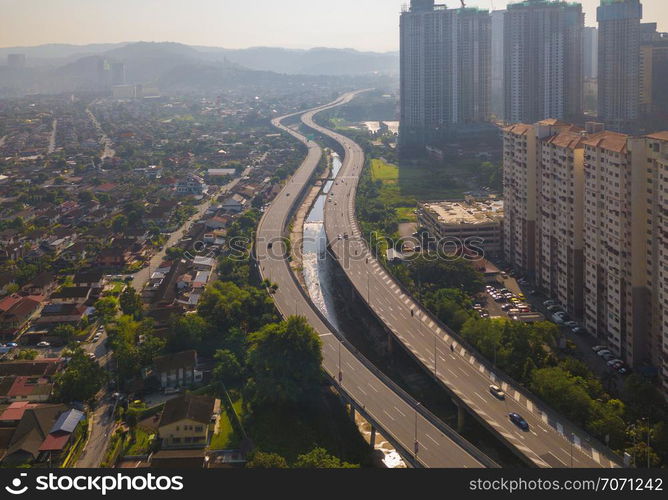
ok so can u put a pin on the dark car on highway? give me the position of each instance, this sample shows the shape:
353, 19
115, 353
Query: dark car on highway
519, 421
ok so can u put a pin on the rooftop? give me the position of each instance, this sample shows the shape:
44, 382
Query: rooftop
459, 212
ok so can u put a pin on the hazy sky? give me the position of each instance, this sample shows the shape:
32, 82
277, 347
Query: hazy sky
360, 24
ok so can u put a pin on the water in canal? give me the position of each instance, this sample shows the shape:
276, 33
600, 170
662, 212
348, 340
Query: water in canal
316, 272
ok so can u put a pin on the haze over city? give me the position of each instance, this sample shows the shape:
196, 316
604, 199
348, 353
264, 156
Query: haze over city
359, 24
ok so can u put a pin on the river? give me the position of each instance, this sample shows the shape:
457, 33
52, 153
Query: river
320, 287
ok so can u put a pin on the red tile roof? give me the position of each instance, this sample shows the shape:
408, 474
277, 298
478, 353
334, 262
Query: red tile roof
16, 410
55, 441
612, 141
661, 136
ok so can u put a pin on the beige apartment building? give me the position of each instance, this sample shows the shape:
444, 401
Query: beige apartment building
586, 221
476, 225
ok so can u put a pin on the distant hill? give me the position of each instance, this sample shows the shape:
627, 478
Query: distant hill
316, 61
182, 68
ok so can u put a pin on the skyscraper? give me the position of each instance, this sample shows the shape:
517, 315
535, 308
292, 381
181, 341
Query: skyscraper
497, 103
543, 61
445, 71
117, 73
590, 40
619, 62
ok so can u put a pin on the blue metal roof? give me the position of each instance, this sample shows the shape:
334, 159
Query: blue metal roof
67, 421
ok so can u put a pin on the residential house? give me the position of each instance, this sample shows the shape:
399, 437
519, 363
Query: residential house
17, 317
71, 295
93, 278
235, 204
29, 435
62, 432
43, 284
25, 388
204, 263
217, 222
188, 421
191, 185
177, 370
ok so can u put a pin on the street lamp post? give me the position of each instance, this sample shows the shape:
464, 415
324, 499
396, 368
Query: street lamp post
572, 439
416, 448
340, 372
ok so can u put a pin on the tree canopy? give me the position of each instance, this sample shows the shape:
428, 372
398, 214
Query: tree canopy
284, 362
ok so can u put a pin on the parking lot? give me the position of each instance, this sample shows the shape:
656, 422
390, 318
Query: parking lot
574, 335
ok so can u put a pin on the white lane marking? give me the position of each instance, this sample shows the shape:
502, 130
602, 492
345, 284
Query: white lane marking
362, 391
529, 405
595, 455
400, 412
436, 442
516, 395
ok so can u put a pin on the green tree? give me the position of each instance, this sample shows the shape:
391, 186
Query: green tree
318, 458
262, 460
228, 370
187, 332
284, 361
130, 302
65, 332
28, 354
81, 380
563, 391
106, 308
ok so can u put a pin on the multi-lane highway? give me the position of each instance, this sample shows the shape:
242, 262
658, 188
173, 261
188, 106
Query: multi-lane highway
550, 440
421, 438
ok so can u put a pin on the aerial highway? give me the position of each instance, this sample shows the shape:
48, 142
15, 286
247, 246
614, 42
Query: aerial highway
419, 437
550, 440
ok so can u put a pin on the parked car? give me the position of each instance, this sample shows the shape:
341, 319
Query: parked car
613, 362
519, 421
570, 324
558, 319
43, 344
554, 308
12, 344
603, 352
497, 392
550, 303
608, 356
578, 330
598, 348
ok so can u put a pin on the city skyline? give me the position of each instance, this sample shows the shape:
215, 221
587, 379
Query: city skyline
231, 25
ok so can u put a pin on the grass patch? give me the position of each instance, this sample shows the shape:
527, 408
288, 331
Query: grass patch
141, 444
227, 437
406, 214
294, 430
382, 171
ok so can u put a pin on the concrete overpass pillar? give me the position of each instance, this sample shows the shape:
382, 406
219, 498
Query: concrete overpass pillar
461, 416
372, 438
